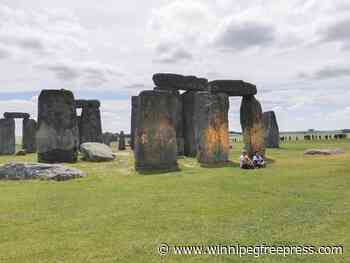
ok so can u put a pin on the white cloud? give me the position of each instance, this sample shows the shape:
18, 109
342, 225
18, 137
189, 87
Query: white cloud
86, 74
41, 32
110, 50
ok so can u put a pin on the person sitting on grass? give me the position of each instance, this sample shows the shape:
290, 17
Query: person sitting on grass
245, 161
258, 161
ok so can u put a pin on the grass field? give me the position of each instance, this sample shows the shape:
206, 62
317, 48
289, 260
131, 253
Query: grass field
117, 215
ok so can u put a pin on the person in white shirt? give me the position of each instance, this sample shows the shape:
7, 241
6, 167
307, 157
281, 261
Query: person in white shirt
244, 161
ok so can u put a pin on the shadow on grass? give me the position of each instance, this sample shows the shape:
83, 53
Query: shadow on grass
269, 160
281, 148
158, 172
220, 165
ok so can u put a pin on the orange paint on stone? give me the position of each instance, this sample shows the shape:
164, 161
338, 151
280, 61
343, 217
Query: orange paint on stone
166, 132
217, 138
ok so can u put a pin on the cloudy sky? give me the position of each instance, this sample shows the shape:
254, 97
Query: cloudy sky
297, 52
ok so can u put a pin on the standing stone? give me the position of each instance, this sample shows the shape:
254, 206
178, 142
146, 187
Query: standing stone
58, 133
272, 134
190, 124
252, 125
7, 136
90, 128
155, 140
121, 144
134, 105
29, 135
180, 126
109, 137
214, 145
179, 119
79, 122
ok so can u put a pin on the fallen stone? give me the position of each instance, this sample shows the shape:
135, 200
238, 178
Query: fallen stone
272, 135
58, 132
179, 82
26, 171
324, 151
232, 87
96, 152
16, 115
252, 126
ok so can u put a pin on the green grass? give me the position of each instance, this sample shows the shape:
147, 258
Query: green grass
117, 215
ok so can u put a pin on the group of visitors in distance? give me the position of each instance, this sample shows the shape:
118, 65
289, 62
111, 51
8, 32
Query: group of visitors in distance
247, 163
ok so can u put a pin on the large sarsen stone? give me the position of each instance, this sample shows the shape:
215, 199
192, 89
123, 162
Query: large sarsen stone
121, 141
29, 135
252, 125
58, 133
190, 124
272, 135
213, 146
155, 140
134, 106
90, 127
7, 137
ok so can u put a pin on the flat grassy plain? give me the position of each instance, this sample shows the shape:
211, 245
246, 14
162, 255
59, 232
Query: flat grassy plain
118, 215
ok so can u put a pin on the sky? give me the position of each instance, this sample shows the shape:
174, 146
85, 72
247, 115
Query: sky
297, 52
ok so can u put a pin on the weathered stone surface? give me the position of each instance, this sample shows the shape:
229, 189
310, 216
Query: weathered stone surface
108, 138
190, 124
16, 115
134, 105
26, 171
7, 136
179, 119
155, 140
252, 125
213, 144
96, 152
90, 127
272, 134
180, 146
232, 87
121, 144
79, 122
87, 103
324, 151
179, 125
58, 133
179, 82
29, 135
